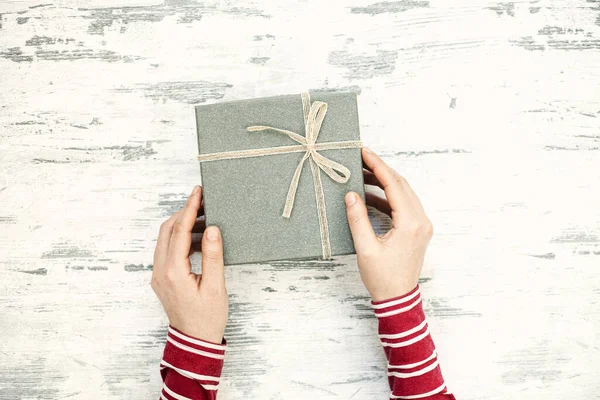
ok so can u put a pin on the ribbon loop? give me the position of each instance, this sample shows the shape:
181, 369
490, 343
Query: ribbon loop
316, 115
334, 170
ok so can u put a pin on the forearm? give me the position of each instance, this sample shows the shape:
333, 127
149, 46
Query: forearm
191, 367
413, 367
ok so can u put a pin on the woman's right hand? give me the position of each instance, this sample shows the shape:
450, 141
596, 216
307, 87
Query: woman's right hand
389, 265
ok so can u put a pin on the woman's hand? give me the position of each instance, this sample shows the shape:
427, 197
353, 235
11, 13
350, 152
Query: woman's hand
389, 265
197, 305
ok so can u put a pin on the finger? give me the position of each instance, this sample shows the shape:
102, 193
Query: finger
415, 202
162, 244
181, 238
362, 231
396, 194
213, 269
379, 203
370, 179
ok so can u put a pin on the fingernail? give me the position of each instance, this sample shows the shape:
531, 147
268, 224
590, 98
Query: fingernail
196, 190
350, 198
367, 150
212, 233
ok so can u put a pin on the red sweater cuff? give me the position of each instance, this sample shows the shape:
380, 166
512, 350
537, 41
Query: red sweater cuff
413, 369
195, 361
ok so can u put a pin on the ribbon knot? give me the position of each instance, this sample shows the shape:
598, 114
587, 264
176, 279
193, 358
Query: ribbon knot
314, 115
313, 120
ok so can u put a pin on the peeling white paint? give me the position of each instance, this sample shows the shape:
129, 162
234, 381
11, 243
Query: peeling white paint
490, 109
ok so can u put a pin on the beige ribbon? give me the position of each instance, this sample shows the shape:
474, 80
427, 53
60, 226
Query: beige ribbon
313, 119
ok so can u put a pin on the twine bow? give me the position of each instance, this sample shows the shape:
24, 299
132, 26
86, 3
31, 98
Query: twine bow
314, 116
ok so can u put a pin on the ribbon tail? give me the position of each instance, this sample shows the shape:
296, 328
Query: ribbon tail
321, 210
291, 196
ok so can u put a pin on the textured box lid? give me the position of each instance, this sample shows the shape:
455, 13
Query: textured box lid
245, 197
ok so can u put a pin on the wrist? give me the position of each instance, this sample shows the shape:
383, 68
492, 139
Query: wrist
391, 295
392, 292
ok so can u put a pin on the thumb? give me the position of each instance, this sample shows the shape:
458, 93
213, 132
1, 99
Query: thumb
360, 226
212, 257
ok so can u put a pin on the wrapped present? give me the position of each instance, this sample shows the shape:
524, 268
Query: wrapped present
275, 172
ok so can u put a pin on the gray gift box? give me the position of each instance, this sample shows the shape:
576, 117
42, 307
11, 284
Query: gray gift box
245, 197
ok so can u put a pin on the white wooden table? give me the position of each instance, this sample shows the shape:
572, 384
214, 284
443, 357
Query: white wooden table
491, 111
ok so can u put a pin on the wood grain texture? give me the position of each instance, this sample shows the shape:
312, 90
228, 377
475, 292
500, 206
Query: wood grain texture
490, 109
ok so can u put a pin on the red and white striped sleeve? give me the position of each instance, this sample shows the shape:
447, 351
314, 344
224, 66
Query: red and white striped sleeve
413, 368
190, 367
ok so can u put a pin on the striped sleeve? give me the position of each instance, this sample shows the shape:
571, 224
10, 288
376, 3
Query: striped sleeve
190, 367
413, 368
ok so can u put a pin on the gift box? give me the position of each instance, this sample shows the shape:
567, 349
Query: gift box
275, 172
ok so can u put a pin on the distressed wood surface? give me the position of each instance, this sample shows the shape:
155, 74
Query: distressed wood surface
491, 110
